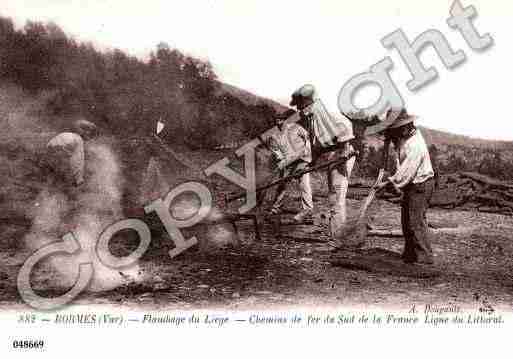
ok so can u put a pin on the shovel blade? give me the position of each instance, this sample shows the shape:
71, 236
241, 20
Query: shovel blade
353, 234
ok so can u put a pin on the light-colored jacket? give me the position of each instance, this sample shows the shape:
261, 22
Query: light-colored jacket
65, 155
291, 144
414, 163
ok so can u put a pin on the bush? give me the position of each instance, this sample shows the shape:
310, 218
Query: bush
122, 94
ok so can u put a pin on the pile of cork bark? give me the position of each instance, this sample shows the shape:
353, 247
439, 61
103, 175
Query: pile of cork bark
461, 190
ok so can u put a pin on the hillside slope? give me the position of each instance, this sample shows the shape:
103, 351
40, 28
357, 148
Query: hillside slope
433, 136
247, 97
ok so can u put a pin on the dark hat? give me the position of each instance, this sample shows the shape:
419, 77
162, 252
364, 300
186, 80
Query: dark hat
394, 118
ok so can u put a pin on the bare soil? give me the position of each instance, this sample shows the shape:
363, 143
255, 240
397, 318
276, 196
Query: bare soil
293, 266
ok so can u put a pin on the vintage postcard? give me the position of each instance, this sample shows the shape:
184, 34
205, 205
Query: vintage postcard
255, 178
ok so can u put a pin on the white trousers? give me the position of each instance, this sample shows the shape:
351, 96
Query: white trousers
305, 187
338, 184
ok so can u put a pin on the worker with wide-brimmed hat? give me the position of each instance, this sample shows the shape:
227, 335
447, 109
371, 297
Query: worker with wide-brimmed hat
329, 137
414, 176
290, 147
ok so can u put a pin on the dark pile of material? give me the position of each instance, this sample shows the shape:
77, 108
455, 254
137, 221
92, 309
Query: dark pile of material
461, 190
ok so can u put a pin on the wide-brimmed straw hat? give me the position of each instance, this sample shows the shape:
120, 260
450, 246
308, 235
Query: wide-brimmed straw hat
395, 118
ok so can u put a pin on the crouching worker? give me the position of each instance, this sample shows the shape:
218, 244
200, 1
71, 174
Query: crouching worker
290, 147
414, 177
65, 156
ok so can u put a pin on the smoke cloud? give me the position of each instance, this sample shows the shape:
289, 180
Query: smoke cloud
85, 211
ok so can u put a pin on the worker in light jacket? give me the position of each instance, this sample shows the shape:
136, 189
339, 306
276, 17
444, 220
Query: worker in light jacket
65, 155
414, 177
329, 138
290, 146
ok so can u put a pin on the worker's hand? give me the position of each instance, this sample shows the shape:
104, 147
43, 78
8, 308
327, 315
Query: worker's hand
395, 190
282, 164
381, 185
276, 156
389, 187
315, 158
387, 175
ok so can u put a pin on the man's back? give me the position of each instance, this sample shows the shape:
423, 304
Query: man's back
65, 155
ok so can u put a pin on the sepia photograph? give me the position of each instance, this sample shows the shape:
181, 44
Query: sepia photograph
254, 167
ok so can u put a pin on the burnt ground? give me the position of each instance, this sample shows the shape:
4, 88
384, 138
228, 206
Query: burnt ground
293, 266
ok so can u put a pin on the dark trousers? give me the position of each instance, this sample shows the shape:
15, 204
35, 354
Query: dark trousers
414, 206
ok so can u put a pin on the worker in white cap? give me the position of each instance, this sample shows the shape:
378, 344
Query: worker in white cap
65, 154
329, 137
414, 176
290, 147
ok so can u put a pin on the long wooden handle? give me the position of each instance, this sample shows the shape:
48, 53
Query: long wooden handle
298, 174
371, 195
386, 148
373, 190
264, 142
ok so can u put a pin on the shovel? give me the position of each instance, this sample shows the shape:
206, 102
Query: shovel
354, 232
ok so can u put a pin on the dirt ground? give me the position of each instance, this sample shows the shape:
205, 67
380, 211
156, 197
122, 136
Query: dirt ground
293, 266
